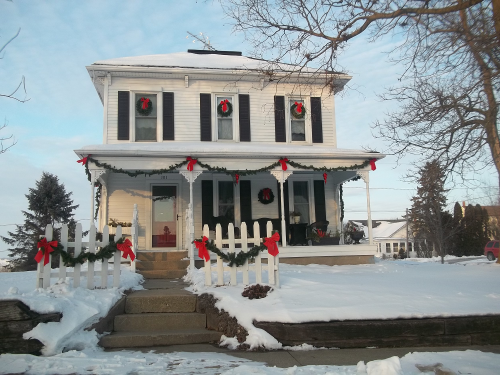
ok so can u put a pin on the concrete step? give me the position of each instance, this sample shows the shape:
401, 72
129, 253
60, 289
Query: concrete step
160, 301
163, 274
155, 322
170, 265
162, 256
142, 339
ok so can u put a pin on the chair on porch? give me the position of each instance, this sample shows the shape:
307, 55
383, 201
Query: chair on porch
321, 225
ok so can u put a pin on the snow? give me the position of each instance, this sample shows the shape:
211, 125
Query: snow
3, 264
385, 229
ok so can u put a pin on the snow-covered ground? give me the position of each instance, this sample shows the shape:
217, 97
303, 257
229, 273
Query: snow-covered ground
386, 289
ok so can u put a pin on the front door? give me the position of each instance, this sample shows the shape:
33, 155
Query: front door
164, 228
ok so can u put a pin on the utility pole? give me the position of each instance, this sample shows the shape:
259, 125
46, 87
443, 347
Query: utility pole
407, 231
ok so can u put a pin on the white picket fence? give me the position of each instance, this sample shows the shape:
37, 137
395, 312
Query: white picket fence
246, 269
45, 273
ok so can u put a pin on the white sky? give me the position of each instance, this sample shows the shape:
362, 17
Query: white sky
59, 38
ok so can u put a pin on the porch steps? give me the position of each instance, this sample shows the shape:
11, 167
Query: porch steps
158, 317
162, 265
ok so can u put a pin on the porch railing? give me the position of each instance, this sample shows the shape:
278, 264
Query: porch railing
256, 267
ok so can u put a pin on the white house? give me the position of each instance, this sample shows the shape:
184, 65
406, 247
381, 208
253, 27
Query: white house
239, 123
390, 236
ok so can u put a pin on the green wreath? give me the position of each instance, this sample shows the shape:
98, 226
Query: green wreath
144, 112
295, 114
261, 196
221, 113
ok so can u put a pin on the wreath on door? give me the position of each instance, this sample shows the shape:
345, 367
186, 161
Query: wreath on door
266, 196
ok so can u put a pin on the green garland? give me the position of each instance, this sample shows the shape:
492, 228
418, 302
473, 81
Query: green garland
105, 252
221, 113
98, 194
233, 258
341, 197
144, 112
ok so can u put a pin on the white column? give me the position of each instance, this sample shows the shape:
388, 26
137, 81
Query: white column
281, 176
365, 176
191, 176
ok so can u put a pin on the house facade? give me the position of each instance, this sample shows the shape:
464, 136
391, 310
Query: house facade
213, 137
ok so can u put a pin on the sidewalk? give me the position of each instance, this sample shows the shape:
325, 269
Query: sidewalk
337, 357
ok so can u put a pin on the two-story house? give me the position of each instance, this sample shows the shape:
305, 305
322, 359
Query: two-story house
238, 125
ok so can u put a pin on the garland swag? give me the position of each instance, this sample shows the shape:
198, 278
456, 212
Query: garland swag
233, 258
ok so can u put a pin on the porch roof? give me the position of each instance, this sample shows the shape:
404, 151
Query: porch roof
225, 150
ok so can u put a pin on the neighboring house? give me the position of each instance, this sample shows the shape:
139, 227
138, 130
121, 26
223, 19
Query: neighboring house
494, 221
390, 235
233, 115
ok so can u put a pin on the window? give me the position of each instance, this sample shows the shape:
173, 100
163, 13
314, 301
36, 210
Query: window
395, 248
301, 200
297, 125
387, 247
225, 114
402, 245
145, 121
410, 246
226, 200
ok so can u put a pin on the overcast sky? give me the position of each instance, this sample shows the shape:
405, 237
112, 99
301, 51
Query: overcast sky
59, 38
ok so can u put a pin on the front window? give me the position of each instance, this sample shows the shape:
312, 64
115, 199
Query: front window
226, 200
225, 118
297, 121
301, 200
395, 247
387, 247
145, 117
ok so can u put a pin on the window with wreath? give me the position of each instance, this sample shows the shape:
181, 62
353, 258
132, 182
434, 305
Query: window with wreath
225, 118
145, 117
297, 120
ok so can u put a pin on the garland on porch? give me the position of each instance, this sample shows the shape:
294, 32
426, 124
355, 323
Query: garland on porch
105, 252
98, 194
341, 196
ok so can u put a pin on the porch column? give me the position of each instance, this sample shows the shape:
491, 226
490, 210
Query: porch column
281, 176
95, 174
365, 176
191, 176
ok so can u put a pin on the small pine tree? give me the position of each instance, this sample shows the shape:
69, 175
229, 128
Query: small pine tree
457, 244
48, 203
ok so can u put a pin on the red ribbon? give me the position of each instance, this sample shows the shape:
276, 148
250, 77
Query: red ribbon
237, 177
191, 163
325, 176
321, 233
45, 248
145, 103
266, 194
202, 249
224, 105
298, 107
126, 248
283, 164
372, 164
270, 243
83, 160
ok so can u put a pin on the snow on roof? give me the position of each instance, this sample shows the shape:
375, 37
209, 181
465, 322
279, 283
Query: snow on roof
386, 229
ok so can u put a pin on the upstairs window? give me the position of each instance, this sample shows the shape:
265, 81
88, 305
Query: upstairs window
225, 114
297, 121
145, 117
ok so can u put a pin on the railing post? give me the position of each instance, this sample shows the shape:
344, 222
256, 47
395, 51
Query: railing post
43, 271
117, 259
64, 243
208, 264
91, 266
244, 248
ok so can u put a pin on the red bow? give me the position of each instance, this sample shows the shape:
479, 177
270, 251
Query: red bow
298, 107
237, 177
145, 103
126, 248
83, 160
283, 164
191, 163
325, 176
321, 233
224, 105
270, 243
372, 164
45, 248
202, 248
266, 194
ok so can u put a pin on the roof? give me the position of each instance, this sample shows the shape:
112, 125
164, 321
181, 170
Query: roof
383, 228
493, 211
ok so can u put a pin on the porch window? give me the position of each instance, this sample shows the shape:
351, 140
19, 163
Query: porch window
297, 126
301, 200
226, 200
387, 247
224, 122
145, 124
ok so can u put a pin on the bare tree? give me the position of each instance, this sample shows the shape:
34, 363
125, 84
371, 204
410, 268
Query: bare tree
450, 48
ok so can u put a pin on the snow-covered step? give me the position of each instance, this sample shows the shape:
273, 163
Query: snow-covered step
154, 322
163, 274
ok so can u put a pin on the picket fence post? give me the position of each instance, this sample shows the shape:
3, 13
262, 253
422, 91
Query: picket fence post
117, 259
208, 263
104, 266
64, 243
78, 249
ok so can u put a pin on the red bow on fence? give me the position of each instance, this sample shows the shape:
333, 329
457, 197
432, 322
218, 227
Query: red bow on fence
283, 164
237, 178
202, 249
83, 160
145, 103
270, 243
298, 107
45, 248
126, 248
191, 163
372, 164
325, 176
224, 105
266, 194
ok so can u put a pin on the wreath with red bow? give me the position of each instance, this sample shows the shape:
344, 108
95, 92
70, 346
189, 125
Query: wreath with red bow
144, 106
224, 108
298, 110
266, 196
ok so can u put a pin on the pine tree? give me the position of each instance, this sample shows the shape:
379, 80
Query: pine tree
48, 203
458, 248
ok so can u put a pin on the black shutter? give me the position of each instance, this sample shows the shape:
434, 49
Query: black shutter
316, 121
287, 206
206, 117
207, 202
168, 116
319, 200
279, 119
123, 115
244, 111
246, 202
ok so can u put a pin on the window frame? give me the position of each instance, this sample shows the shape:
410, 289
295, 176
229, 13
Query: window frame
236, 197
234, 116
307, 119
159, 114
309, 178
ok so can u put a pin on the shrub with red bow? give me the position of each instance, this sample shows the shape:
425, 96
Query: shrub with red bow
224, 108
144, 106
298, 110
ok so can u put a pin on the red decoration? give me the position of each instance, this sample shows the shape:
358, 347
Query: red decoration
191, 163
202, 249
372, 164
83, 160
299, 107
145, 103
321, 233
224, 105
325, 176
283, 164
266, 194
270, 243
126, 248
237, 177
45, 248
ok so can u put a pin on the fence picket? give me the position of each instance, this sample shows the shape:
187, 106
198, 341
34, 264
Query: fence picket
208, 264
117, 259
64, 243
220, 265
232, 249
244, 248
47, 268
270, 258
91, 266
77, 273
258, 259
104, 266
